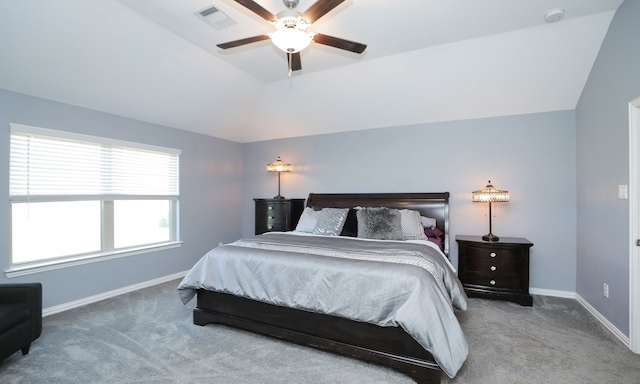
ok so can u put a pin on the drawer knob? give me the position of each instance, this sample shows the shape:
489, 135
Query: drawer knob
269, 226
492, 254
493, 268
269, 207
270, 217
492, 282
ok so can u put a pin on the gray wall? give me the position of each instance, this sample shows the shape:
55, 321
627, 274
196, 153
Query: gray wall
210, 202
532, 156
602, 127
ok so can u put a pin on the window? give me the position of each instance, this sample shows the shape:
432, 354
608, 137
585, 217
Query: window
75, 197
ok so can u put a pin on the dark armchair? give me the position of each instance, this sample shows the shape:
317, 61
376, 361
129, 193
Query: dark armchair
20, 317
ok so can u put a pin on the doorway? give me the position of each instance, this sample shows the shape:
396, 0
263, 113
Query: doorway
634, 225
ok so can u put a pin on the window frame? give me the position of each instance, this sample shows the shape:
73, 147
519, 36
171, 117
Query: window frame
107, 228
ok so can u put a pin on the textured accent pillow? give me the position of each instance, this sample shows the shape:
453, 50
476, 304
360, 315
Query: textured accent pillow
379, 223
331, 221
411, 225
308, 220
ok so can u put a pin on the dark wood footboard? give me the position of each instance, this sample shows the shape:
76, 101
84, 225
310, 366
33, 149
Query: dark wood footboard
388, 346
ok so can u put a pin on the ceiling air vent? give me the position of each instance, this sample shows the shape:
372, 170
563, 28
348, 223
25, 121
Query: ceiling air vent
215, 17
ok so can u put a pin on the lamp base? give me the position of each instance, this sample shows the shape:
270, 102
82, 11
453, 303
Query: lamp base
279, 197
490, 237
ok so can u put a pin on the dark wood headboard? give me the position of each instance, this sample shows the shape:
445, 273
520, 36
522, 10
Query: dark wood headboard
434, 205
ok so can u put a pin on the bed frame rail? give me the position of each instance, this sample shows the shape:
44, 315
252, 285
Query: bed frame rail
388, 346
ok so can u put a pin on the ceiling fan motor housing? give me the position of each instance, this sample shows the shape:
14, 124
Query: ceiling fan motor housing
290, 19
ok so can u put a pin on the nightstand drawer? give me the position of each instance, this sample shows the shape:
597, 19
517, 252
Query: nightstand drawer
493, 266
276, 212
493, 254
512, 281
276, 226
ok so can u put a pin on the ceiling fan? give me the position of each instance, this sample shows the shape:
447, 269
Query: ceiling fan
290, 34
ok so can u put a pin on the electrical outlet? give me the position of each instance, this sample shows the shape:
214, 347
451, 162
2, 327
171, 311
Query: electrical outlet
605, 290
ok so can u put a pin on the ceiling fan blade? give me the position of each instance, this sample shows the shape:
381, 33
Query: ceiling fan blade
295, 64
337, 42
319, 9
257, 9
248, 40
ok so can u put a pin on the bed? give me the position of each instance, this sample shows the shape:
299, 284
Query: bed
388, 338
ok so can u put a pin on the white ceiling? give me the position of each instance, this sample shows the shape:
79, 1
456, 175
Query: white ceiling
426, 61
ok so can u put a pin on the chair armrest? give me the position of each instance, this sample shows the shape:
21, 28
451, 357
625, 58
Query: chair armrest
20, 292
29, 293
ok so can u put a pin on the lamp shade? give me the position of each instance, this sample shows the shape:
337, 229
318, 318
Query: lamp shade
490, 194
278, 166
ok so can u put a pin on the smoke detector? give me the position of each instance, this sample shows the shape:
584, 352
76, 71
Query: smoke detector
553, 16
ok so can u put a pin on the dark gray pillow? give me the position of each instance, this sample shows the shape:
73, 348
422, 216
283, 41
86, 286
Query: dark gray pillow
379, 223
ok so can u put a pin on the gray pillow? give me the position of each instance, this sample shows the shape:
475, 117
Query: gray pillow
379, 223
331, 221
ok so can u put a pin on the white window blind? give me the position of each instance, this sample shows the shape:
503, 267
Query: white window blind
76, 198
46, 163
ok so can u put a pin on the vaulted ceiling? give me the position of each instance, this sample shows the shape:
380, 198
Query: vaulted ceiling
426, 61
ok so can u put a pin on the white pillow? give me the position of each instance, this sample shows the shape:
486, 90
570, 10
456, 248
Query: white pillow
428, 222
411, 225
308, 220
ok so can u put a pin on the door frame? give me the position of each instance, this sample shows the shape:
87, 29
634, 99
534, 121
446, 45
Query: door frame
634, 225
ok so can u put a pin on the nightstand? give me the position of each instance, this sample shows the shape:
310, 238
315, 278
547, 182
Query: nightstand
495, 269
277, 214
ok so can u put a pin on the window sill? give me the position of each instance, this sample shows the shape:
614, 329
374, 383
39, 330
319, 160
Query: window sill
27, 269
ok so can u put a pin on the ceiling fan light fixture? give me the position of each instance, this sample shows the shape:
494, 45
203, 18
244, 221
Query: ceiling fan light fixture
291, 40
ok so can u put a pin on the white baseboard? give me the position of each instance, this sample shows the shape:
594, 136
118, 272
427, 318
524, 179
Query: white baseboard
612, 328
552, 292
106, 295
